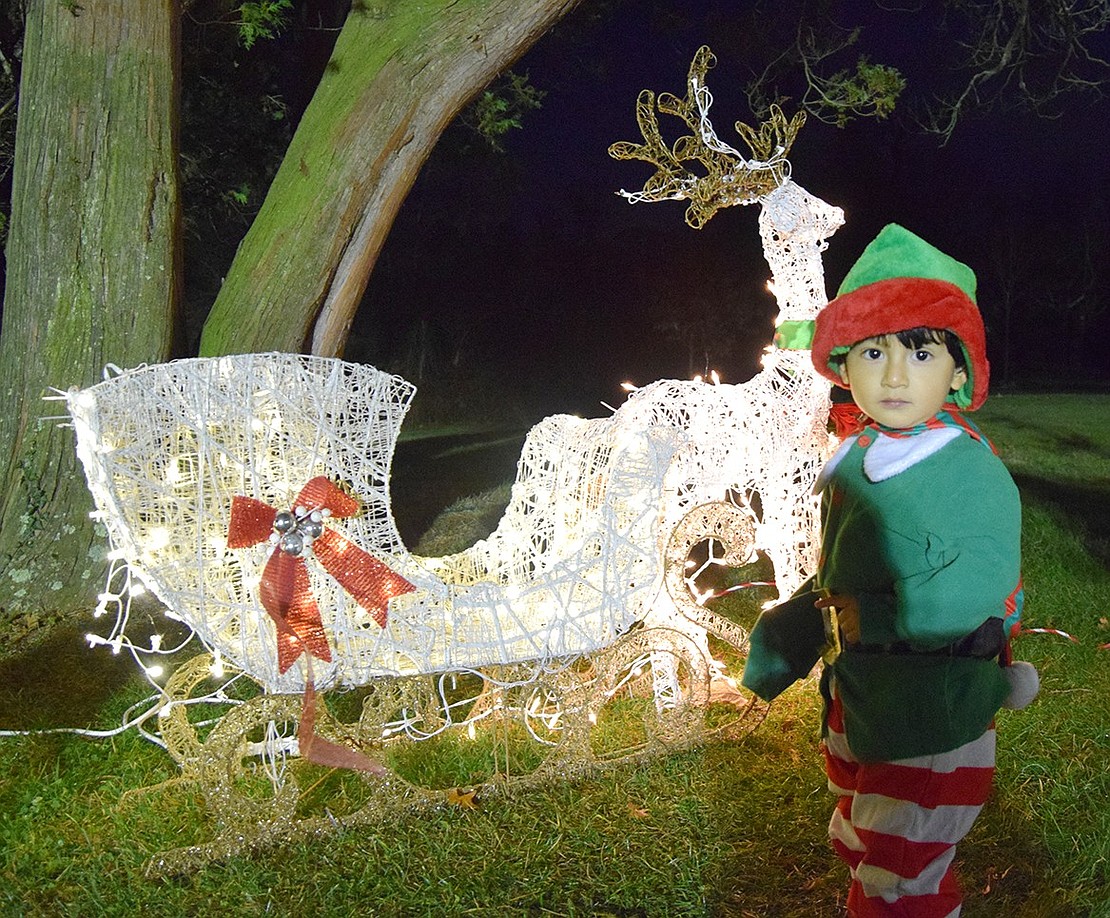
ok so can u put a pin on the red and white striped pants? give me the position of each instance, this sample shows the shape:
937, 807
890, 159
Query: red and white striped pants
896, 824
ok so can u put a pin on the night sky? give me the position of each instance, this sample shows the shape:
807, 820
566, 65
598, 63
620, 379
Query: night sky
530, 264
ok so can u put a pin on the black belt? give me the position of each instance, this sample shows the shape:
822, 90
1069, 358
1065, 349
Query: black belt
984, 643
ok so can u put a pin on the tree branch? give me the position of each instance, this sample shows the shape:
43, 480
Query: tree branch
1039, 48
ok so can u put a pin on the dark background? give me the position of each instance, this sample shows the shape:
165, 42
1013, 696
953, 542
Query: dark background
517, 284
526, 280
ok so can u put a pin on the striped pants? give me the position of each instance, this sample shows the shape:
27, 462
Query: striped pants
896, 824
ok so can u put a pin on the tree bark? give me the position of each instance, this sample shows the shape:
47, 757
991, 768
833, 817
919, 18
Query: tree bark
92, 270
399, 74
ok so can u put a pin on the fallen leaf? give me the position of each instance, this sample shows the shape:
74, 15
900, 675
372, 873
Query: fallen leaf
638, 812
463, 799
723, 690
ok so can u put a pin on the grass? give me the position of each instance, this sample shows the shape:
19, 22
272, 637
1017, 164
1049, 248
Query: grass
728, 829
464, 522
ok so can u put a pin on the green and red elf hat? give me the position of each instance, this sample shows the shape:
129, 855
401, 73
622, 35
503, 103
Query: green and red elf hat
901, 282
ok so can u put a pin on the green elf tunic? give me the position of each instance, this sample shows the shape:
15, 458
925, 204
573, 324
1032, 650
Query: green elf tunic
923, 527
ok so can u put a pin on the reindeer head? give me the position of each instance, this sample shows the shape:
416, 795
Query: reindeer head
700, 168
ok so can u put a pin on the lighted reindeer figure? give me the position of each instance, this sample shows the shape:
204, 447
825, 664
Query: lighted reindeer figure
754, 449
250, 495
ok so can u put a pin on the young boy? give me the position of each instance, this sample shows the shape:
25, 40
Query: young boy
919, 561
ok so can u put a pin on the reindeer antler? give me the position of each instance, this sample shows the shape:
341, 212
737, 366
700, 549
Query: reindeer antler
773, 140
725, 176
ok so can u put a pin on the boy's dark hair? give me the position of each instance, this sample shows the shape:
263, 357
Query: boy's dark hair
914, 338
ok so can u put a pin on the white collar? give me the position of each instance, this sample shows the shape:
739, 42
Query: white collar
888, 456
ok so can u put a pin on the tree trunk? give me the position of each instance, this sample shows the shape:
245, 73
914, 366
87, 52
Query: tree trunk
399, 74
92, 274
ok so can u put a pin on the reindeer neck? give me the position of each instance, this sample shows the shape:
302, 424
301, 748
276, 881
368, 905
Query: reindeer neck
794, 226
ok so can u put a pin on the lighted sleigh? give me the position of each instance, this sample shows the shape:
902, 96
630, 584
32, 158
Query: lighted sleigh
250, 494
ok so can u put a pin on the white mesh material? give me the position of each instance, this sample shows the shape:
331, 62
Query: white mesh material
168, 447
578, 556
589, 559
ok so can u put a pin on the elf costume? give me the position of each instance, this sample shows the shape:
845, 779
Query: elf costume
922, 527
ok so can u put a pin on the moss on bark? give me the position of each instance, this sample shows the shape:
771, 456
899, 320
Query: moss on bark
398, 74
92, 271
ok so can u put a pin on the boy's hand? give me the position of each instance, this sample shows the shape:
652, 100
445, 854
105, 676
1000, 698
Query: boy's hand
847, 614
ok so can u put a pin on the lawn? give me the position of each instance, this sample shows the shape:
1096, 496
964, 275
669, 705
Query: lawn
732, 828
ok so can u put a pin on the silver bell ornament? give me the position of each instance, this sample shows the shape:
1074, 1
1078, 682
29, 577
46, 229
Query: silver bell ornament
284, 521
292, 543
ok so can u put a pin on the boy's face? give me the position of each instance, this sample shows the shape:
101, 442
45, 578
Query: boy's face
900, 386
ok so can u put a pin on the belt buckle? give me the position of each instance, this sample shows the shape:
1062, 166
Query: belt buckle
830, 650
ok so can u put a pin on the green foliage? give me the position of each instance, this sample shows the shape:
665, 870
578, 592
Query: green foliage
239, 196
812, 43
872, 90
882, 85
731, 829
500, 108
261, 19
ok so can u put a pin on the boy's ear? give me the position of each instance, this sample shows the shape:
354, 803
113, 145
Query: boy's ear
842, 372
959, 377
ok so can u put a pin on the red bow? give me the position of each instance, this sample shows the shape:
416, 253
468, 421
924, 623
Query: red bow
285, 590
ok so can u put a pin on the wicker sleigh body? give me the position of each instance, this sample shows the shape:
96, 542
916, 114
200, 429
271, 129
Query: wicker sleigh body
168, 449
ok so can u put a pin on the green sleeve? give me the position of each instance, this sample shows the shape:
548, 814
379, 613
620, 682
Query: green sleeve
784, 645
